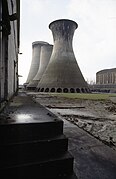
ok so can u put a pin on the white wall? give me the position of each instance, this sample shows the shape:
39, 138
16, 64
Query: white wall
12, 52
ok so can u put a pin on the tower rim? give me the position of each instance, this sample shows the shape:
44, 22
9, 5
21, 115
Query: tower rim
39, 43
60, 20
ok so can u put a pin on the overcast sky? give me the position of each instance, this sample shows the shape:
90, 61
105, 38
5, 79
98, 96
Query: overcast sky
94, 41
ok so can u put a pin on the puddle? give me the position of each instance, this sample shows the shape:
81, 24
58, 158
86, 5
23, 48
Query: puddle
23, 117
20, 118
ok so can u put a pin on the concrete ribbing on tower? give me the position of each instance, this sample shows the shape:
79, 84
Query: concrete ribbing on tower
63, 73
36, 49
45, 54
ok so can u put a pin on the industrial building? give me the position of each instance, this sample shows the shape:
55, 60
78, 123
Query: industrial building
9, 48
63, 73
107, 76
105, 81
35, 146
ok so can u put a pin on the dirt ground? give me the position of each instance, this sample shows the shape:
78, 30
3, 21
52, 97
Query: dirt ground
96, 117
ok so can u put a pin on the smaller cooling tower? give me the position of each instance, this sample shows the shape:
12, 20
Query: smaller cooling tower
45, 54
36, 48
63, 73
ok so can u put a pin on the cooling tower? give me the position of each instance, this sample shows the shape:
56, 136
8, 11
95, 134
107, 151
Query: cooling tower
45, 54
36, 49
62, 73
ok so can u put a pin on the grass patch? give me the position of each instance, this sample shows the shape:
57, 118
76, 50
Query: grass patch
89, 96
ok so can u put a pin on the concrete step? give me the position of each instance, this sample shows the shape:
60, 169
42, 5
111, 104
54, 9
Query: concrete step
20, 132
19, 153
58, 167
32, 143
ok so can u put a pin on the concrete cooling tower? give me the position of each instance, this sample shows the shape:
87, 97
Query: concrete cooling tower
36, 49
45, 54
62, 73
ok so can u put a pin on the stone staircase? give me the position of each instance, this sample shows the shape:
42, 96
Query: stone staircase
34, 150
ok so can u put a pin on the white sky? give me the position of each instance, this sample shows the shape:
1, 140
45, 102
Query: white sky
94, 41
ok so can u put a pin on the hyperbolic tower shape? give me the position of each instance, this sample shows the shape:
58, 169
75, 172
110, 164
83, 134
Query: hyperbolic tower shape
45, 54
63, 73
36, 49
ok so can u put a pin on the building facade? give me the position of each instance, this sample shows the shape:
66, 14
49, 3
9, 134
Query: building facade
105, 81
107, 76
9, 48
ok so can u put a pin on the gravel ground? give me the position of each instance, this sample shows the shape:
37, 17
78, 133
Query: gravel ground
96, 117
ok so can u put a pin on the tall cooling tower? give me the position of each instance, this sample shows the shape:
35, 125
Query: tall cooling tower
45, 54
63, 73
36, 49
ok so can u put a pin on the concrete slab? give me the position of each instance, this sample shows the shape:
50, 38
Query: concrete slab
92, 158
23, 109
27, 122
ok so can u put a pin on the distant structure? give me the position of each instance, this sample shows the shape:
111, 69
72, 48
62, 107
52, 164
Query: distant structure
107, 76
36, 49
9, 49
63, 73
45, 54
105, 81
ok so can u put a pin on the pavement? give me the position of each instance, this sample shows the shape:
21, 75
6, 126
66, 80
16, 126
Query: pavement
113, 99
92, 158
